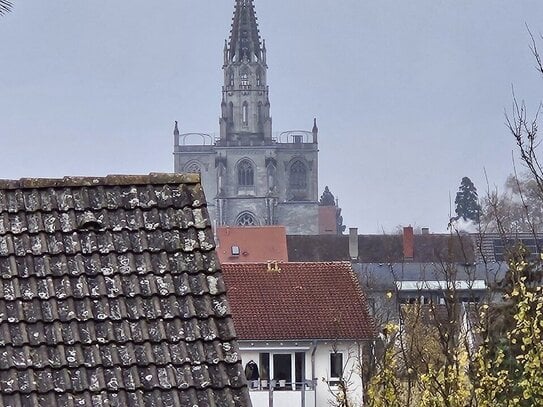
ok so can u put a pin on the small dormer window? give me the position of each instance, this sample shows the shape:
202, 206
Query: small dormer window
235, 250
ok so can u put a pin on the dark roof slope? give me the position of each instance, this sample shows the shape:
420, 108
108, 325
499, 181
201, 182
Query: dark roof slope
110, 295
381, 248
298, 301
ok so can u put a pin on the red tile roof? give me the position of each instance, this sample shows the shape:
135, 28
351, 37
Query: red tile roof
301, 301
255, 244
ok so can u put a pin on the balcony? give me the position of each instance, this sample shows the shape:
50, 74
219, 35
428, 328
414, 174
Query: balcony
283, 393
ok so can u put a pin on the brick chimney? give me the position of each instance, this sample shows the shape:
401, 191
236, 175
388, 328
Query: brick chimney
408, 243
353, 243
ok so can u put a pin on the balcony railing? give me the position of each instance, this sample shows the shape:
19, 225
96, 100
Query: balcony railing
209, 139
281, 385
286, 394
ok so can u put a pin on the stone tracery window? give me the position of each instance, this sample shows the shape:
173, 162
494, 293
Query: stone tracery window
192, 166
246, 176
246, 219
245, 113
298, 175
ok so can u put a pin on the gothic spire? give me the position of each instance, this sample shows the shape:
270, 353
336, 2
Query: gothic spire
244, 43
176, 129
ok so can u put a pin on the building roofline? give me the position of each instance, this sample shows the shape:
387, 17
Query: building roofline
152, 178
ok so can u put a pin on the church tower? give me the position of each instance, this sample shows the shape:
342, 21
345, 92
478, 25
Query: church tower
251, 175
245, 107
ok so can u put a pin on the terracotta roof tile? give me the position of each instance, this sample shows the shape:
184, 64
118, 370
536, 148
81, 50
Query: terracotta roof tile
254, 243
111, 295
301, 301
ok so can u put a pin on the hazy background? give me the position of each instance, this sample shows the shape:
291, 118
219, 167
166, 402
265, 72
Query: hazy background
409, 96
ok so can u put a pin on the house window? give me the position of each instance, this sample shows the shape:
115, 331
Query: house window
246, 176
264, 359
336, 365
285, 370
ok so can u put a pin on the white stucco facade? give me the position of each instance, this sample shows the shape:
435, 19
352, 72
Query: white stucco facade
304, 373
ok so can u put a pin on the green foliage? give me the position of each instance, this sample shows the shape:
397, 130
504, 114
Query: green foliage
509, 369
385, 388
467, 201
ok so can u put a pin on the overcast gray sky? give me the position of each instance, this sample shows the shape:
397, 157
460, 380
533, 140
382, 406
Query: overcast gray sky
409, 95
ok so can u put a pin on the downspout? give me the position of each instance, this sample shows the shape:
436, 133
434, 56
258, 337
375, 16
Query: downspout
313, 378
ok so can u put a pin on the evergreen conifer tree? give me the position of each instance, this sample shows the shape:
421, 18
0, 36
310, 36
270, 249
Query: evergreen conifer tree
467, 201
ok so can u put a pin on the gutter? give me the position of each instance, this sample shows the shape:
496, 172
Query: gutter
313, 378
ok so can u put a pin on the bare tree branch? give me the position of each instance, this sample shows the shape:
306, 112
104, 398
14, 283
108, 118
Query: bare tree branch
535, 52
5, 6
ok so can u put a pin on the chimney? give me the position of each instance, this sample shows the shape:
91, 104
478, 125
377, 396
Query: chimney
353, 243
425, 231
408, 243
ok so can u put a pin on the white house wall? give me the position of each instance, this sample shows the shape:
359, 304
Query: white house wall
323, 392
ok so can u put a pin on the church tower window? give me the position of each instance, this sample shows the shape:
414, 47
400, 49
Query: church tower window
245, 113
246, 219
298, 175
246, 177
230, 112
259, 112
192, 166
231, 78
244, 79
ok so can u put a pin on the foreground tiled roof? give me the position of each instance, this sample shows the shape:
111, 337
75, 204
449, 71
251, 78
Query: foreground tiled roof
110, 295
299, 301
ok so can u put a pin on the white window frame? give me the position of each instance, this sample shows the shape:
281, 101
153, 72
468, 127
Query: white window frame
333, 381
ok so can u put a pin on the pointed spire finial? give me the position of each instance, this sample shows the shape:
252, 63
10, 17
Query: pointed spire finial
315, 130
244, 43
176, 129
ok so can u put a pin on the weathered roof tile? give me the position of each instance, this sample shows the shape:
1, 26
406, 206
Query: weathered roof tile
111, 295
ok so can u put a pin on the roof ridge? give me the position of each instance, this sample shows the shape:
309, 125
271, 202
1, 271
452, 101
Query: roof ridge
113, 179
